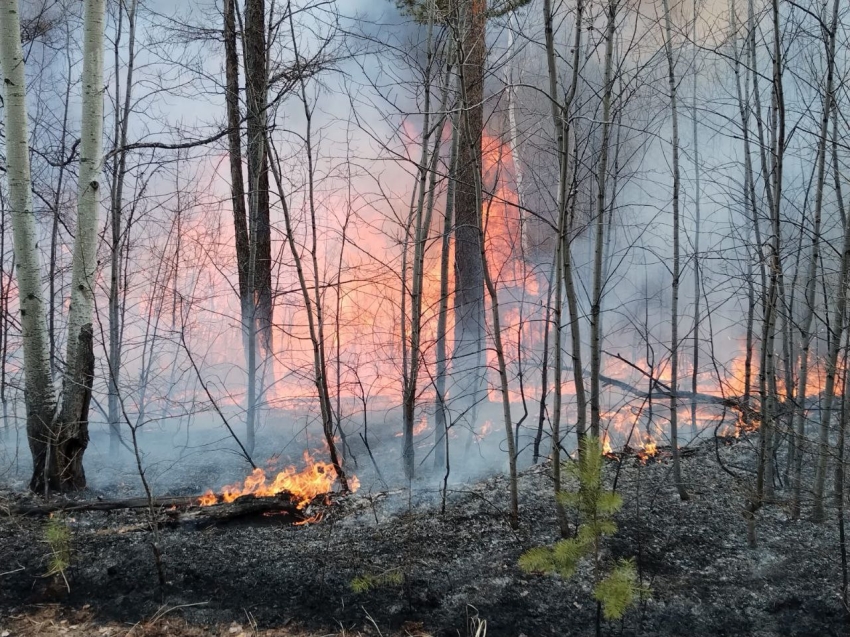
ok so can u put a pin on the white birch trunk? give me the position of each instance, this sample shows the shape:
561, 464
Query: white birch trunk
91, 161
40, 396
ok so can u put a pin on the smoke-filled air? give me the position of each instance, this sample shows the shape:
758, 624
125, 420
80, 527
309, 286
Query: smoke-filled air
396, 318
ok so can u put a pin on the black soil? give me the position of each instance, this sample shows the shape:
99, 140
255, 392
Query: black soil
704, 580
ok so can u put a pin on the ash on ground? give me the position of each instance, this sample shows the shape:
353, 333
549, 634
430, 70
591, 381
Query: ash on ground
439, 571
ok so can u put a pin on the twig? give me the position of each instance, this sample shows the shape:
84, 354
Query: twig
369, 617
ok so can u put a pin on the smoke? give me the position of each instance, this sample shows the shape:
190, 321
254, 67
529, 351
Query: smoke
366, 126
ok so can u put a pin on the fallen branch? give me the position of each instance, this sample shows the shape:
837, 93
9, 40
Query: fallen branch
98, 505
182, 508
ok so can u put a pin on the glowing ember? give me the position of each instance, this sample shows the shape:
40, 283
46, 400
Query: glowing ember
317, 478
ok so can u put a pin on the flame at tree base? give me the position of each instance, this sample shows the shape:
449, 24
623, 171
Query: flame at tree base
317, 478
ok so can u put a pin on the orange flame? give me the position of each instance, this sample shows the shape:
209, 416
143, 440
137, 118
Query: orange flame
649, 449
486, 429
315, 479
606, 445
418, 429
421, 427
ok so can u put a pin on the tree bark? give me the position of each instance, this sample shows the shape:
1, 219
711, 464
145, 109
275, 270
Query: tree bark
118, 239
234, 139
259, 230
697, 220
837, 325
674, 311
420, 235
441, 417
599, 223
57, 441
469, 274
561, 114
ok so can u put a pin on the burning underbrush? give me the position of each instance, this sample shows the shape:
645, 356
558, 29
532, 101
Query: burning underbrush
303, 486
430, 572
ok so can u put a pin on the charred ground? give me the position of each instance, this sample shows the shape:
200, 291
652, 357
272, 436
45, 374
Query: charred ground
453, 566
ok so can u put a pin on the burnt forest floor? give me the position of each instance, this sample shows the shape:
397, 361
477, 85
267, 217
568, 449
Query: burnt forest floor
270, 578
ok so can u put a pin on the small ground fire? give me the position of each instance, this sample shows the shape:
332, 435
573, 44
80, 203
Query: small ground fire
315, 479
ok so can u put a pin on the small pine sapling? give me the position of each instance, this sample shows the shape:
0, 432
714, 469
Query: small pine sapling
615, 590
57, 535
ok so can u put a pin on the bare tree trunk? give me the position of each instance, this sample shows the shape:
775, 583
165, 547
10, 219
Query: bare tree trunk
503, 379
71, 437
441, 415
561, 114
525, 243
599, 223
57, 441
838, 320
53, 270
674, 311
259, 237
39, 392
420, 236
697, 220
469, 275
122, 122
237, 186
751, 212
767, 373
311, 292
544, 366
840, 469
4, 317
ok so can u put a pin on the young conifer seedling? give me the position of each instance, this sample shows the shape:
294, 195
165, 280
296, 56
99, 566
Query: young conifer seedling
615, 588
57, 535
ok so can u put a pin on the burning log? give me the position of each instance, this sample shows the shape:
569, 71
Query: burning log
280, 507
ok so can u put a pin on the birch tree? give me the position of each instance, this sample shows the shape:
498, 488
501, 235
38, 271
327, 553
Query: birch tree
40, 393
57, 439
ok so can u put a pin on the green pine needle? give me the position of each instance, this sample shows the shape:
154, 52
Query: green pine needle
367, 582
618, 591
595, 507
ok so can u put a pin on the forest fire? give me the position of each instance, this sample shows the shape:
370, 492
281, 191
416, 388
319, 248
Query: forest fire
649, 449
485, 430
317, 478
606, 446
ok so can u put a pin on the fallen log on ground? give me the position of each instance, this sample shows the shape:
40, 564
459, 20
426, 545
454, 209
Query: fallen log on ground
67, 506
180, 509
280, 507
